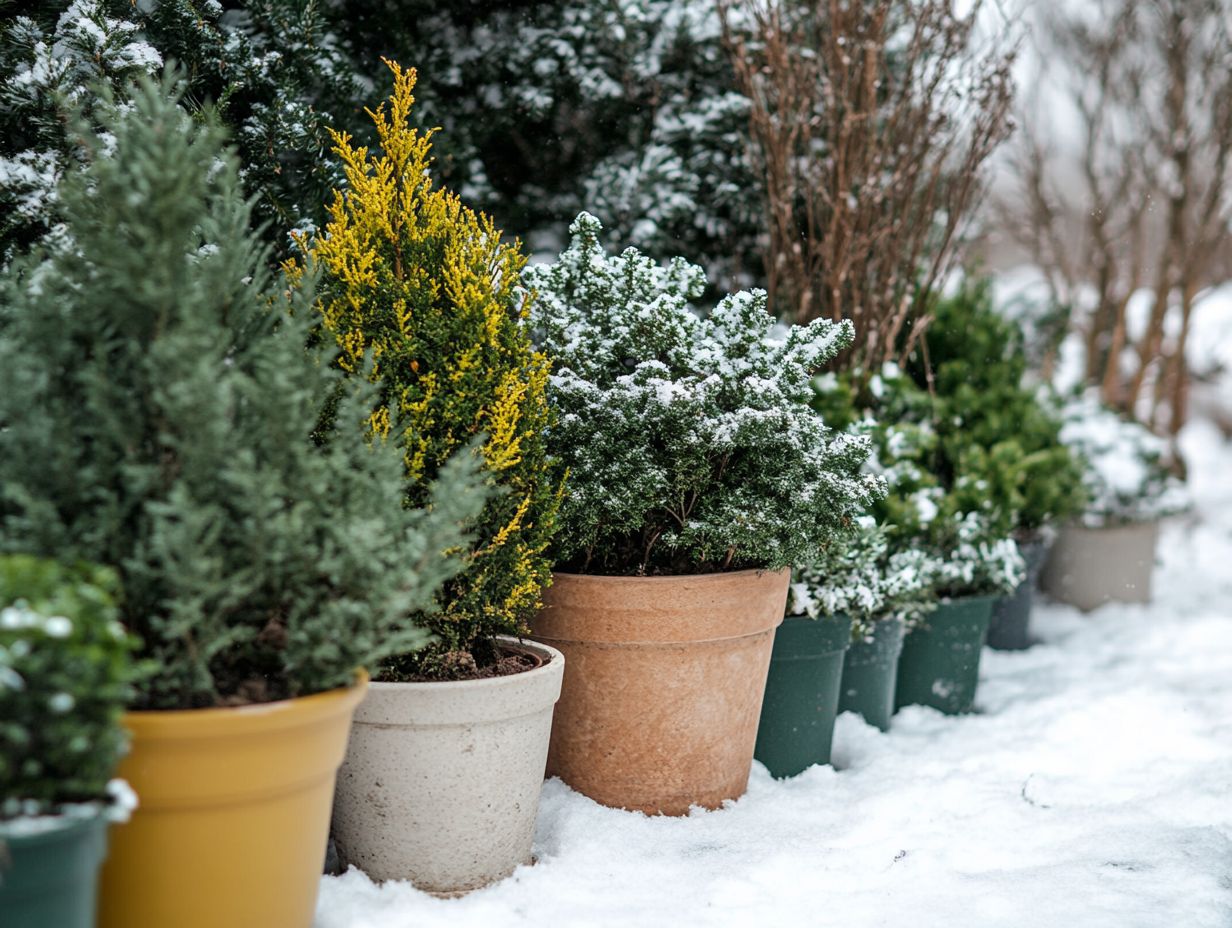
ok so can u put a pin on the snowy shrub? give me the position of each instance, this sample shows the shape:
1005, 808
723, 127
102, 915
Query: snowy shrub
1001, 438
688, 442
862, 577
931, 504
271, 68
65, 677
51, 67
163, 417
637, 97
1127, 476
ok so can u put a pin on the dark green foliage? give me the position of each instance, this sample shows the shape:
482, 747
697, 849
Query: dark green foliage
158, 408
625, 108
64, 682
992, 427
933, 505
269, 67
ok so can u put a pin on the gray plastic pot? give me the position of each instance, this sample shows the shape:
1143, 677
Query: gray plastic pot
1089, 567
441, 781
1011, 616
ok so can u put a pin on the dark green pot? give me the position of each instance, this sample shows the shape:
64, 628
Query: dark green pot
940, 663
870, 669
1011, 617
801, 703
50, 880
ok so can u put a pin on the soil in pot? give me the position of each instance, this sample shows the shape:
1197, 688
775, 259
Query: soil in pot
233, 814
1089, 567
664, 684
801, 702
441, 780
870, 671
940, 662
49, 871
1010, 629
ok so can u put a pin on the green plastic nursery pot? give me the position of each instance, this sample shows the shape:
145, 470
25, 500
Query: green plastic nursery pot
940, 663
870, 671
1010, 629
49, 879
801, 701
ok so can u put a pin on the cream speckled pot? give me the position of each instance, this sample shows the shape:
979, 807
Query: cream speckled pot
441, 780
1088, 567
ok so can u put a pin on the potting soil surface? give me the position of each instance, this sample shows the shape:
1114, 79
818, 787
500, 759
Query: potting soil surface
1092, 788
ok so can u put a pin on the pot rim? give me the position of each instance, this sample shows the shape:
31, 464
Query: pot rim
707, 576
59, 825
555, 660
964, 599
255, 718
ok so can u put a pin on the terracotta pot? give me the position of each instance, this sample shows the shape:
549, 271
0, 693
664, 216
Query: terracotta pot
233, 814
663, 685
1088, 567
441, 781
49, 877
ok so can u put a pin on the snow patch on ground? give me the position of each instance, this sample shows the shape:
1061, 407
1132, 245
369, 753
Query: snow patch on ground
1093, 788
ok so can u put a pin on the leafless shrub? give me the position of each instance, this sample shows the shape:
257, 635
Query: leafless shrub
870, 124
1140, 200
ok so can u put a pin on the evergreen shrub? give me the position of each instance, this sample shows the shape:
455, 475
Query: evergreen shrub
998, 433
1127, 478
65, 675
427, 287
689, 442
932, 505
864, 577
159, 414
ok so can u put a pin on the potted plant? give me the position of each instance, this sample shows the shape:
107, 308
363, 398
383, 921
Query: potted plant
975, 564
697, 474
1000, 429
838, 648
1108, 553
948, 506
446, 759
65, 676
163, 418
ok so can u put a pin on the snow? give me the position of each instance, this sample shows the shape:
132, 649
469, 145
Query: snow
1093, 787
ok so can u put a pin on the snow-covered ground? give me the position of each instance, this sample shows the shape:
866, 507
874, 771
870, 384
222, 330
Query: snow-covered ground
1093, 788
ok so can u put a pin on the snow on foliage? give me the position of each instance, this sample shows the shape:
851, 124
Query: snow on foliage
689, 442
648, 129
865, 578
1127, 477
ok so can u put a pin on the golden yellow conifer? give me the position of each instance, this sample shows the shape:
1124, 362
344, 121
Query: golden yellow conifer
428, 289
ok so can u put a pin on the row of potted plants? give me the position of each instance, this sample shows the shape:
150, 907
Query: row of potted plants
375, 462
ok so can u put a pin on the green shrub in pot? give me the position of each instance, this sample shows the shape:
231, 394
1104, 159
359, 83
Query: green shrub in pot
162, 414
162, 417
946, 508
698, 472
65, 677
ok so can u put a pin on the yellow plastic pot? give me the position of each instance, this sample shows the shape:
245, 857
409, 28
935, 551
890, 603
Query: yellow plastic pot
233, 814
